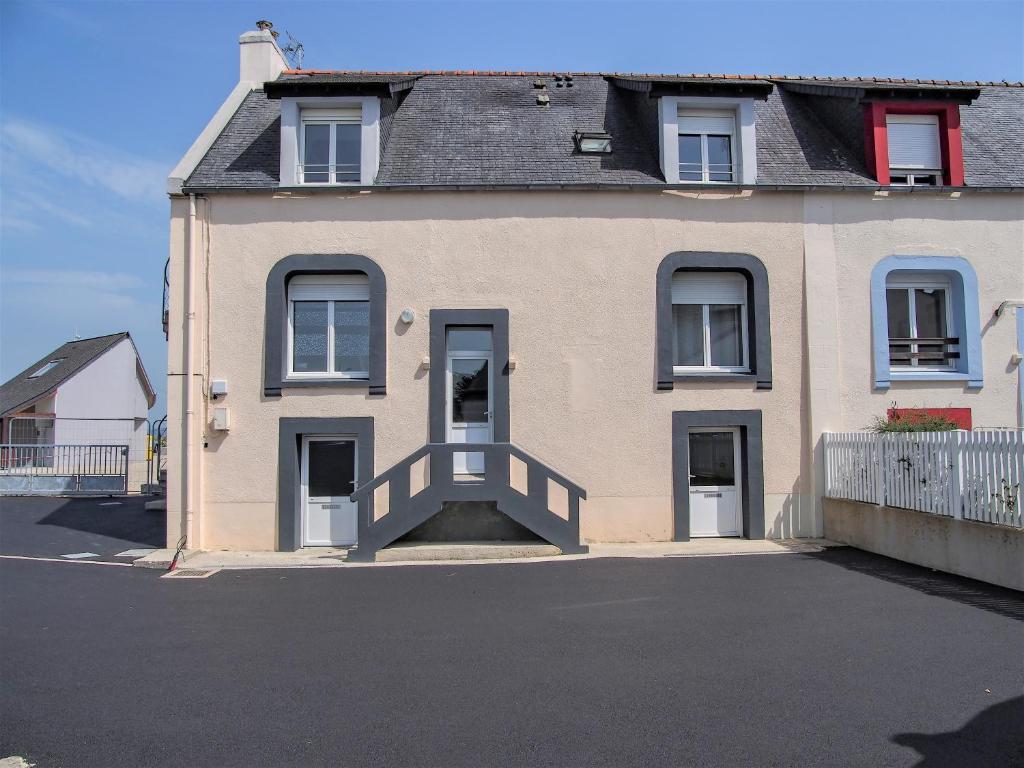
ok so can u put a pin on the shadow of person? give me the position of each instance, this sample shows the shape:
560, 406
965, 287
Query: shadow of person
993, 737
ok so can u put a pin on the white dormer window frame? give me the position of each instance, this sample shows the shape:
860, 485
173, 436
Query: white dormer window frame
317, 111
743, 139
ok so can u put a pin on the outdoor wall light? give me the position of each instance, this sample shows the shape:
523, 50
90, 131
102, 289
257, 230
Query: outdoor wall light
593, 142
407, 316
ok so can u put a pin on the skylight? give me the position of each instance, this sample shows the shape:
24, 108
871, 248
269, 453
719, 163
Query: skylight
46, 368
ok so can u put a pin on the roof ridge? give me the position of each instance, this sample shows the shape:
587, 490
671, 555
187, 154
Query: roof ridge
101, 336
695, 75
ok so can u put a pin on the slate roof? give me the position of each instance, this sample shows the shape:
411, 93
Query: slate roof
486, 128
21, 391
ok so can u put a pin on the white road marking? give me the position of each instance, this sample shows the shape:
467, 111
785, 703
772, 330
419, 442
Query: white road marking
110, 504
80, 555
66, 562
135, 553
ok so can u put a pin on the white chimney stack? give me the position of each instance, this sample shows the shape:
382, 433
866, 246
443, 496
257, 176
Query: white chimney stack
260, 59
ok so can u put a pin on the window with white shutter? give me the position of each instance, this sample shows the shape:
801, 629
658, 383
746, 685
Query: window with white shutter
915, 156
330, 145
709, 318
707, 139
329, 326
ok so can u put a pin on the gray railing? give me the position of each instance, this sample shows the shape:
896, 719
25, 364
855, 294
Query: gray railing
524, 499
57, 469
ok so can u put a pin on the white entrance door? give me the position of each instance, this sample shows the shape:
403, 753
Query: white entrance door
470, 404
715, 493
328, 477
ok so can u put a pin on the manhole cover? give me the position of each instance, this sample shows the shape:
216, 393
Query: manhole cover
190, 573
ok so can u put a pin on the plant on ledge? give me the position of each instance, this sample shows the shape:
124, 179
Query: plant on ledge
911, 422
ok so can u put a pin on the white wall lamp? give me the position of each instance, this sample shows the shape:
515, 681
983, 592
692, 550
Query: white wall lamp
407, 316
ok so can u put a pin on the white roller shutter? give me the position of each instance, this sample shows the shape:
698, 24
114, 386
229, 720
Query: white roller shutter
914, 141
709, 288
334, 114
713, 121
329, 288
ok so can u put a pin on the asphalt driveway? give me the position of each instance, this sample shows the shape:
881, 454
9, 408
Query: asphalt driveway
837, 658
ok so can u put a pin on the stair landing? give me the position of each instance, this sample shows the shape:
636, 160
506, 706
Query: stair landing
417, 551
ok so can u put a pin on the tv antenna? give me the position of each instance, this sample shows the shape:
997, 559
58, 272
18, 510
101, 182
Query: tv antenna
294, 51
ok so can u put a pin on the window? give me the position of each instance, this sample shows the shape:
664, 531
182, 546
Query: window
329, 326
709, 320
925, 321
706, 140
915, 156
330, 146
46, 368
918, 314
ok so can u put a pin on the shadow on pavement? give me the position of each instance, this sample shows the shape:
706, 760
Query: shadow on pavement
1005, 602
127, 520
993, 737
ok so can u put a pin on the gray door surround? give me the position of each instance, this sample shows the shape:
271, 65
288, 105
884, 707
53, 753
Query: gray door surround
440, 321
759, 337
276, 320
751, 467
289, 459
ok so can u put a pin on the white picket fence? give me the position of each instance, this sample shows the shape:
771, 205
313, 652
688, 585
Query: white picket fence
963, 475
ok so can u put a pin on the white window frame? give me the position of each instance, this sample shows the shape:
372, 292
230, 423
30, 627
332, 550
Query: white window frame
911, 285
705, 170
934, 177
706, 319
330, 373
332, 159
292, 138
744, 140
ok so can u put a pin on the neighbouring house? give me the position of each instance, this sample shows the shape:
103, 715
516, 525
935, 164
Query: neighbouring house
56, 414
582, 306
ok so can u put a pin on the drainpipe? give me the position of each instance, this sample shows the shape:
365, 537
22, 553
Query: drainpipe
188, 480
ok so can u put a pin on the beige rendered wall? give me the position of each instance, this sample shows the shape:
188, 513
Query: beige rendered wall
577, 274
985, 229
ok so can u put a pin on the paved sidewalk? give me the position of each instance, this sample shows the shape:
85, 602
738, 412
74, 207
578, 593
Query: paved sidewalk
479, 554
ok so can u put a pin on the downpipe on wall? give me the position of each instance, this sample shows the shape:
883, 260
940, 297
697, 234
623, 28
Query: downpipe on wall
188, 429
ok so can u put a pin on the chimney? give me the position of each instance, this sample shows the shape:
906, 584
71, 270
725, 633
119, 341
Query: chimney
260, 58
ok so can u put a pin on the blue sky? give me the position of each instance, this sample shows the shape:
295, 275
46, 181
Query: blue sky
98, 100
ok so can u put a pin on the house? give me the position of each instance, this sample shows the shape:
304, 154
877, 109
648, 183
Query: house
87, 392
639, 299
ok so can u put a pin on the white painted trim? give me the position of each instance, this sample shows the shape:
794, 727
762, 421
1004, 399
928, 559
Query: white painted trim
746, 138
291, 124
187, 165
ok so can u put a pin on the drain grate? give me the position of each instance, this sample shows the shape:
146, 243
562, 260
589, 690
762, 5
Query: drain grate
190, 573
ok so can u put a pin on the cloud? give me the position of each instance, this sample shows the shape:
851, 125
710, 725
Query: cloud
103, 281
19, 209
90, 162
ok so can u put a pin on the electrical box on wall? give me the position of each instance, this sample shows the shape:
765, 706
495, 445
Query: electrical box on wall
221, 419
218, 387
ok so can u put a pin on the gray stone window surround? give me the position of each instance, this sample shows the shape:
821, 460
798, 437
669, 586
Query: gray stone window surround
289, 461
440, 321
275, 368
759, 336
751, 460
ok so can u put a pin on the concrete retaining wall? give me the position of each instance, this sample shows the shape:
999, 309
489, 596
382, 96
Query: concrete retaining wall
991, 553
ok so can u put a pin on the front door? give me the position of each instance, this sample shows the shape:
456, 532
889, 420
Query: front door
715, 495
470, 404
328, 477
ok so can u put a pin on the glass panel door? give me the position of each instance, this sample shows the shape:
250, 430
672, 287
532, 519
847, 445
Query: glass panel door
328, 478
714, 485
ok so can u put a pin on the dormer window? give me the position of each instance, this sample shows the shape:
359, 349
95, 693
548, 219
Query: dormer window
330, 146
706, 139
915, 155
329, 141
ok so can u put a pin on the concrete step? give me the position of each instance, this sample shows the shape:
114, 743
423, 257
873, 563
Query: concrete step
416, 551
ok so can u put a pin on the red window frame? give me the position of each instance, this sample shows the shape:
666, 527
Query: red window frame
876, 136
